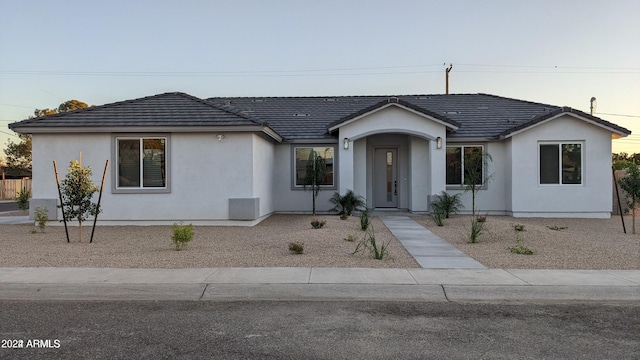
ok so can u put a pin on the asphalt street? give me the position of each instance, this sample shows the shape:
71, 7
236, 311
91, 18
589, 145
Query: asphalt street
318, 330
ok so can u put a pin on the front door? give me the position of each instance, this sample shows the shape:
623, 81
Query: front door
385, 178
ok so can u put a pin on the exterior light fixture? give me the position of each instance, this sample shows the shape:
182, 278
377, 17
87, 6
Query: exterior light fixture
345, 143
220, 137
439, 142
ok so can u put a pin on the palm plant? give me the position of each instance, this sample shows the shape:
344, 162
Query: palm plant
447, 204
347, 204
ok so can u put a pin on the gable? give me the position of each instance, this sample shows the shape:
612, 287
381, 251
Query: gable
394, 103
583, 119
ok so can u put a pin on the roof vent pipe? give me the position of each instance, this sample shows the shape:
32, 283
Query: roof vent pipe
593, 101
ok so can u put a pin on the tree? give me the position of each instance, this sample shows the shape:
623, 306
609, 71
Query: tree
623, 160
19, 154
18, 161
316, 173
631, 185
476, 165
77, 190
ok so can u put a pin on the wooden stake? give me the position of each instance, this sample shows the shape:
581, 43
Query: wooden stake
64, 217
95, 219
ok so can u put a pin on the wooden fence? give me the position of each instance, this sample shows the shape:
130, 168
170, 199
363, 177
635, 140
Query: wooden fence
9, 189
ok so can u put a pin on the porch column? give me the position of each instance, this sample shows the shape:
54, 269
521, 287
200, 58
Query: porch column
437, 161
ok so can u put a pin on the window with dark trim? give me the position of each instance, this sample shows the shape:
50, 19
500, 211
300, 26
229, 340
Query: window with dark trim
141, 163
561, 163
302, 159
458, 162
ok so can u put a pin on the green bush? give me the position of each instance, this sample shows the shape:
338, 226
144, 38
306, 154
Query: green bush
23, 199
477, 229
42, 216
296, 247
347, 204
519, 248
317, 224
182, 235
350, 238
447, 204
365, 221
438, 218
378, 251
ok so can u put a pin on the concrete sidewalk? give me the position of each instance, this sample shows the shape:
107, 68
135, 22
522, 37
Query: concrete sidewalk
226, 284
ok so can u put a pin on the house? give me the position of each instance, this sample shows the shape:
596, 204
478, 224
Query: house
237, 160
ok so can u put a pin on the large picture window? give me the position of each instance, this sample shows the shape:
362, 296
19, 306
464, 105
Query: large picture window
141, 162
458, 164
561, 163
302, 160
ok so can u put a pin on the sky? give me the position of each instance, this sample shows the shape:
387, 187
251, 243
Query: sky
554, 52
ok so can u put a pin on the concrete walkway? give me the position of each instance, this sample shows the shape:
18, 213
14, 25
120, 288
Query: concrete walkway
430, 251
238, 284
15, 220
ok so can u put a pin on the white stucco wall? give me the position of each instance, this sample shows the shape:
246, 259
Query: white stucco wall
263, 174
490, 199
590, 199
204, 174
286, 198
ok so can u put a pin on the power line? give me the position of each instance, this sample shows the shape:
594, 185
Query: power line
634, 116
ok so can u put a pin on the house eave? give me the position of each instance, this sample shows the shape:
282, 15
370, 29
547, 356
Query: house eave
146, 129
615, 132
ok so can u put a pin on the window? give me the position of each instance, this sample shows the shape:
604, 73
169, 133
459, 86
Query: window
141, 163
561, 163
459, 160
302, 155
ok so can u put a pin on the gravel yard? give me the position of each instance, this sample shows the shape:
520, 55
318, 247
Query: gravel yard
596, 244
584, 244
264, 245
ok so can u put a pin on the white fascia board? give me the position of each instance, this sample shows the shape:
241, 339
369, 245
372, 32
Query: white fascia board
147, 129
614, 131
464, 140
313, 141
446, 124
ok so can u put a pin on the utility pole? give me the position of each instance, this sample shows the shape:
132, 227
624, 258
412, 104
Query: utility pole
448, 70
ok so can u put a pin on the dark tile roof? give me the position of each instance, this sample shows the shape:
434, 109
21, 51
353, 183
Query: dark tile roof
307, 118
169, 109
476, 115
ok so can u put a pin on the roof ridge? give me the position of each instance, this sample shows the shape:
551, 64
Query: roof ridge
237, 113
520, 100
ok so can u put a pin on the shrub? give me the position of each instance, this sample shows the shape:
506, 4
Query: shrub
42, 216
344, 217
447, 204
23, 199
182, 235
347, 204
350, 238
378, 251
365, 221
519, 248
477, 229
296, 247
438, 218
556, 227
317, 224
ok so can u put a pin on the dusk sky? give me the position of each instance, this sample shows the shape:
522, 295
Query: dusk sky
556, 52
